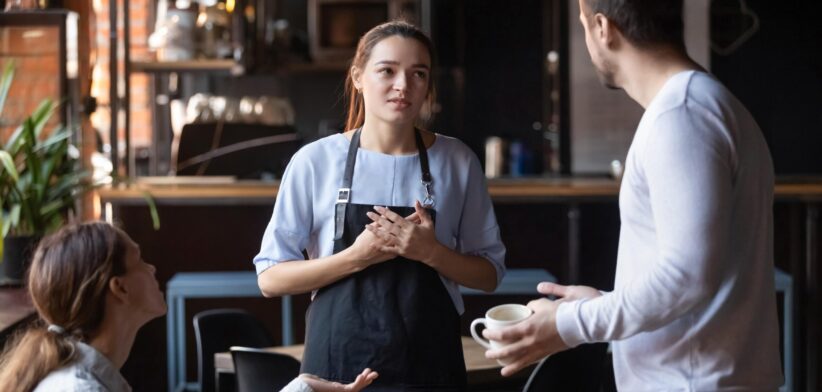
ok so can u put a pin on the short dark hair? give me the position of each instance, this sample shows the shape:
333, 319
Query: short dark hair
644, 22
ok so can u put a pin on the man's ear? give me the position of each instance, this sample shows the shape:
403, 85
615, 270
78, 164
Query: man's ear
606, 32
117, 288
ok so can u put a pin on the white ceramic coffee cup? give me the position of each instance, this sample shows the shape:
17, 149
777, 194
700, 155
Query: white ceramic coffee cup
499, 317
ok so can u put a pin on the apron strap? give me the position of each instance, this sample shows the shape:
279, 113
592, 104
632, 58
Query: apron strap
426, 173
344, 193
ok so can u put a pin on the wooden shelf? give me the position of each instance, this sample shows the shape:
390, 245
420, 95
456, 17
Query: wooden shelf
232, 67
217, 65
341, 66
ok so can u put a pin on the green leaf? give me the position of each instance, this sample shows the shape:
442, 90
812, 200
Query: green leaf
28, 149
6, 224
41, 115
55, 207
152, 207
14, 215
8, 165
59, 136
5, 83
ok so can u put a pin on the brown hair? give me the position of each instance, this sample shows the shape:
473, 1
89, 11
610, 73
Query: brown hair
68, 281
356, 105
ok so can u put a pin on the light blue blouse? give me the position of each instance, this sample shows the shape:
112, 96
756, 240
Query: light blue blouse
303, 215
90, 372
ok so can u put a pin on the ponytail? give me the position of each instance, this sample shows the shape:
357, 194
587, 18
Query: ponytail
31, 355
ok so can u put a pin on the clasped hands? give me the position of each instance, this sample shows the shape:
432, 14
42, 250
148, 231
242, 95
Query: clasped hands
390, 235
537, 336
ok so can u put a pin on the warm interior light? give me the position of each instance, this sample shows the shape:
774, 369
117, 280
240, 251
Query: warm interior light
229, 6
32, 34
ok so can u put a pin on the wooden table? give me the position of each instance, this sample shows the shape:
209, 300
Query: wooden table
16, 309
480, 369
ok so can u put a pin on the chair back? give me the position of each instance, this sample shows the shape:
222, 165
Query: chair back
578, 369
219, 329
260, 370
250, 151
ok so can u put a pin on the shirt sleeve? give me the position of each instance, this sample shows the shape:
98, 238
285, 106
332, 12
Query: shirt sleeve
288, 231
479, 233
689, 168
297, 385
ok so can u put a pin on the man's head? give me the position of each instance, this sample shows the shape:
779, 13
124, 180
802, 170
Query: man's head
642, 24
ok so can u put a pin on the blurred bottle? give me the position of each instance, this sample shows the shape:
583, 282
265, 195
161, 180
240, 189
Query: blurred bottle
521, 159
494, 157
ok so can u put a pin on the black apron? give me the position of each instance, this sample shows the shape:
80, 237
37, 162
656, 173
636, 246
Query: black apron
395, 317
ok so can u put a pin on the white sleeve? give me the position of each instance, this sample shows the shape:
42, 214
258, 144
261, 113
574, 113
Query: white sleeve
297, 385
288, 231
478, 230
689, 168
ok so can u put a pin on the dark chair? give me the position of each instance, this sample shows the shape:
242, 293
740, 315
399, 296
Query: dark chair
578, 369
219, 329
261, 370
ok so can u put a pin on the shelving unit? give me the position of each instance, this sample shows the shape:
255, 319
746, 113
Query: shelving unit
174, 79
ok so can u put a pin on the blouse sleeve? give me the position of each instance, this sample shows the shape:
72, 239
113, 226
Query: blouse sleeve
288, 231
478, 230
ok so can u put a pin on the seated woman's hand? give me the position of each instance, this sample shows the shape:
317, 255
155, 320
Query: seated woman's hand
319, 385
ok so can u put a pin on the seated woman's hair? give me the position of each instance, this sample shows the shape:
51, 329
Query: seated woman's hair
67, 281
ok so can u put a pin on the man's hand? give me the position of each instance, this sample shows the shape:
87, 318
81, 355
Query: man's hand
534, 338
567, 293
319, 385
537, 336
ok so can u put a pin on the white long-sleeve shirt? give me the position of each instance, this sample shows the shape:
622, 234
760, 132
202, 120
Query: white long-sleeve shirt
693, 306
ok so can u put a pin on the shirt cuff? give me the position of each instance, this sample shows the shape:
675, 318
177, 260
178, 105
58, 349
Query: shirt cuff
262, 265
569, 326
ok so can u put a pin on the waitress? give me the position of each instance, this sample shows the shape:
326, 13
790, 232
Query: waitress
393, 219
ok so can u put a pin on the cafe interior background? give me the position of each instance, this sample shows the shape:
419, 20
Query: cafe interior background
212, 97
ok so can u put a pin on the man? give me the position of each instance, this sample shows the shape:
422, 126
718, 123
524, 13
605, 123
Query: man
693, 306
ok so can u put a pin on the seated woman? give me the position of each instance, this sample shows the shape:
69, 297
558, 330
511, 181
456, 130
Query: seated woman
93, 292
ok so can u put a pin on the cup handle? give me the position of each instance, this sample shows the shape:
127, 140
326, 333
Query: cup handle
483, 342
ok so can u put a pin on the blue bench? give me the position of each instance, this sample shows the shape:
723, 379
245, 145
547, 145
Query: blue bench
237, 284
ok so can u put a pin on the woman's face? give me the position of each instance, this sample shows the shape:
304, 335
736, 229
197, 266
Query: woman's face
144, 291
395, 80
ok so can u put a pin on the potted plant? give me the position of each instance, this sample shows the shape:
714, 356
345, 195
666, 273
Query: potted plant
40, 179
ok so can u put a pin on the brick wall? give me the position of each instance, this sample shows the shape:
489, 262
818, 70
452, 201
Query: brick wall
35, 53
139, 83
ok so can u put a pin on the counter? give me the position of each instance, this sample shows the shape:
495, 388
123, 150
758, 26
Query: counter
227, 192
